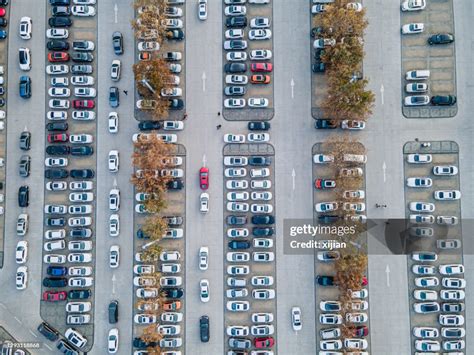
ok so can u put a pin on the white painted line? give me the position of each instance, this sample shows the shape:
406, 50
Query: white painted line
48, 346
31, 332
19, 321
3, 306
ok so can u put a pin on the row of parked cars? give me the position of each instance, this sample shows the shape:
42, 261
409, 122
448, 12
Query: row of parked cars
244, 50
250, 244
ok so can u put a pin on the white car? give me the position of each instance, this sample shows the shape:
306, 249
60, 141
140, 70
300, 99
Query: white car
170, 256
236, 184
260, 54
24, 59
55, 234
80, 281
258, 137
417, 100
114, 256
236, 56
260, 184
115, 70
258, 102
114, 161
260, 34
445, 170
424, 207
54, 245
236, 79
78, 307
114, 200
82, 80
262, 318
202, 10
323, 158
425, 295
22, 224
237, 331
25, 27
173, 125
447, 195
113, 341
326, 206
54, 259
204, 290
234, 103
57, 33
259, 173
263, 294
260, 22
56, 162
235, 10
84, 92
204, 202
324, 42
235, 172
171, 92
451, 320
453, 282
148, 46
21, 278
114, 225
21, 252
451, 269
238, 306
83, 115
237, 196
234, 33
234, 138
413, 28
81, 185
423, 182
413, 5
235, 161
81, 138
237, 232
57, 69
80, 271
203, 258
296, 318
419, 158
113, 122
261, 208
425, 332
431, 281
83, 10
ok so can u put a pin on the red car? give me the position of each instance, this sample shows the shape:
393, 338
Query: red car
365, 281
2, 12
264, 342
260, 79
361, 331
83, 103
58, 138
58, 57
261, 67
52, 296
204, 178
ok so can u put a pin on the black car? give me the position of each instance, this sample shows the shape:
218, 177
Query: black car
263, 232
172, 292
48, 331
259, 161
24, 168
56, 270
453, 332
263, 219
82, 173
82, 151
441, 38
57, 45
3, 22
176, 104
236, 220
79, 294
55, 282
175, 35
25, 87
66, 348
82, 57
236, 21
176, 184
235, 90
55, 174
57, 126
60, 11
142, 235
80, 233
55, 222
238, 245
443, 100
59, 2
139, 343
173, 220
320, 31
237, 44
204, 328
318, 67
25, 140
452, 307
327, 219
114, 97
235, 68
60, 21
24, 196
325, 124
117, 41
258, 126
325, 280
57, 149
149, 125
113, 312
81, 69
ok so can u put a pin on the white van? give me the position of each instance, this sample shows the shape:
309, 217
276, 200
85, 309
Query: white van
418, 75
355, 158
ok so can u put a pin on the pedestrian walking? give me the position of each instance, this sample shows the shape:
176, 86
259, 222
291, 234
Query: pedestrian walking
218, 113
185, 116
125, 92
219, 126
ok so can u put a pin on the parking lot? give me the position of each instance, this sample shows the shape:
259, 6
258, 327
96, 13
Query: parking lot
54, 312
176, 207
439, 59
3, 132
444, 240
247, 35
255, 236
327, 333
178, 46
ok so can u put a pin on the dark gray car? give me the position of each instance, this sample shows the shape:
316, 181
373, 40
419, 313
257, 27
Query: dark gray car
117, 41
25, 166
114, 98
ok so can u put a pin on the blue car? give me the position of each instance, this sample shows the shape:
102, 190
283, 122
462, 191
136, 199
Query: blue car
25, 87
3, 34
56, 270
